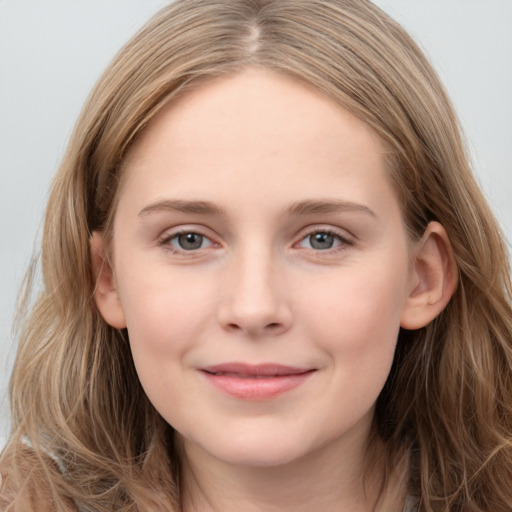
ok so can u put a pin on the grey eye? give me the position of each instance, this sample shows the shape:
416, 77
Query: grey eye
188, 241
321, 241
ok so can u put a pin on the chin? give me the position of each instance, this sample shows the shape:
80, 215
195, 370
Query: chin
260, 458
264, 449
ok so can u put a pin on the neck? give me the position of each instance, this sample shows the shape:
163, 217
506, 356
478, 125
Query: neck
323, 481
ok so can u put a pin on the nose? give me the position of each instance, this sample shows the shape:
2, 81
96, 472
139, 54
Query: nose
255, 300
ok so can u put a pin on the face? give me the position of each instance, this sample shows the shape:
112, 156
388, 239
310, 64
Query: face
261, 267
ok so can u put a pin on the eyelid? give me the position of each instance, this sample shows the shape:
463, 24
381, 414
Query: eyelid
169, 234
346, 238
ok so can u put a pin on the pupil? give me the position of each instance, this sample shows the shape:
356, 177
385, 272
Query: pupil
321, 241
190, 241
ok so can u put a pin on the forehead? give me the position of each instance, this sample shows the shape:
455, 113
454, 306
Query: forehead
252, 127
270, 103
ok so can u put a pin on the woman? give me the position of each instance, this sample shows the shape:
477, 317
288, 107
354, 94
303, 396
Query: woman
265, 227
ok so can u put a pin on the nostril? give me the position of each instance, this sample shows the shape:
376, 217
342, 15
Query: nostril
269, 327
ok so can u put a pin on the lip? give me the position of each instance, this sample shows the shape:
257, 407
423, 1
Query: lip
255, 382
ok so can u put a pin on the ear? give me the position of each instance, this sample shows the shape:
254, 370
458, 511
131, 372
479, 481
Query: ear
105, 292
434, 278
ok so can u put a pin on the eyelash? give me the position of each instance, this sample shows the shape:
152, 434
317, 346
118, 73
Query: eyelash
342, 241
168, 238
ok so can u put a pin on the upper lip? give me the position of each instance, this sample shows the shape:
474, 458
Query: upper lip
254, 370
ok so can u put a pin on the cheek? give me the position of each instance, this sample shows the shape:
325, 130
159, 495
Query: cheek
165, 314
356, 318
358, 331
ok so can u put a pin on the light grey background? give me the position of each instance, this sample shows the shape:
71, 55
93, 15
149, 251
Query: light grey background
52, 52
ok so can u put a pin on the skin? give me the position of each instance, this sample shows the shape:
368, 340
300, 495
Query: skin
258, 147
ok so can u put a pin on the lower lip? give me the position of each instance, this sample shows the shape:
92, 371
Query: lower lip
257, 389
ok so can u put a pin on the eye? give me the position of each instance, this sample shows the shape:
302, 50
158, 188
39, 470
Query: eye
323, 241
188, 241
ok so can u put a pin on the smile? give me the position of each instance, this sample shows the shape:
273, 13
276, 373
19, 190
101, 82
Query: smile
255, 382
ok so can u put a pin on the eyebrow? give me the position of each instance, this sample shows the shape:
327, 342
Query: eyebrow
327, 206
199, 207
308, 207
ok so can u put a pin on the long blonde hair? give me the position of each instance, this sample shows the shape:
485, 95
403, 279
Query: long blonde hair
80, 416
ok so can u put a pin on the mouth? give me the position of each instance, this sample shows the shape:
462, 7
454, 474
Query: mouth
255, 382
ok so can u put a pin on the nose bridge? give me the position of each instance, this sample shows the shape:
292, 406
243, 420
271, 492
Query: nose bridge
254, 300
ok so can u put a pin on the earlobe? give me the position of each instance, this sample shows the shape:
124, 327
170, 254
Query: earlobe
434, 278
105, 291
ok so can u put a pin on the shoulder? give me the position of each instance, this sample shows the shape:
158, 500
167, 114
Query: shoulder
25, 483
